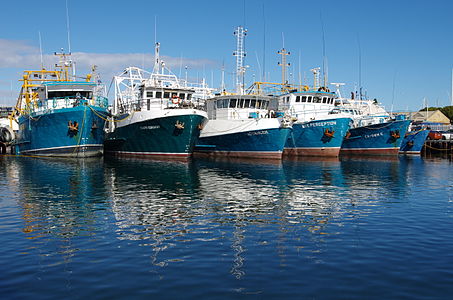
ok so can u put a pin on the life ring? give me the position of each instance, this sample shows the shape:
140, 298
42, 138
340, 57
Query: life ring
175, 99
6, 134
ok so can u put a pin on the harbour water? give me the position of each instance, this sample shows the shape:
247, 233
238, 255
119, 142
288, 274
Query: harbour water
102, 228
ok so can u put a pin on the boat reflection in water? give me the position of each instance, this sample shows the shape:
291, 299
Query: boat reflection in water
224, 204
313, 188
59, 201
206, 218
153, 201
372, 179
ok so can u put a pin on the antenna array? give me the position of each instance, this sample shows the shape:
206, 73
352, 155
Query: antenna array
284, 64
240, 34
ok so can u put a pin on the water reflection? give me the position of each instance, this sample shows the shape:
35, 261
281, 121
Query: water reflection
153, 201
57, 196
57, 200
372, 179
313, 194
242, 194
232, 209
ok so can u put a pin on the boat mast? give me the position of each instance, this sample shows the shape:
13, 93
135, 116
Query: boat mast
451, 95
316, 77
40, 50
222, 85
156, 59
240, 34
65, 64
284, 64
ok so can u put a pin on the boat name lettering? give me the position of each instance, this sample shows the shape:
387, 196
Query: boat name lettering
257, 132
149, 127
373, 135
319, 124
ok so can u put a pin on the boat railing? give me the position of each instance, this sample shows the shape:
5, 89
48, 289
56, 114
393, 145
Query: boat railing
159, 104
64, 102
305, 115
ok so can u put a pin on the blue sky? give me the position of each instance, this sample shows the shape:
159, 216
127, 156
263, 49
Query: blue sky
406, 47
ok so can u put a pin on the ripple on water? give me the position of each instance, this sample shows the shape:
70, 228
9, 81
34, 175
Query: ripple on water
355, 228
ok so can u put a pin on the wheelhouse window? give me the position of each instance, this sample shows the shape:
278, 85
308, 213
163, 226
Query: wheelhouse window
324, 99
70, 94
309, 99
223, 103
166, 95
304, 98
316, 99
233, 103
182, 96
149, 94
253, 103
297, 98
241, 103
158, 94
189, 96
247, 103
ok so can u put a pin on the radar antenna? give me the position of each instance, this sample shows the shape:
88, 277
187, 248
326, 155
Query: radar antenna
315, 77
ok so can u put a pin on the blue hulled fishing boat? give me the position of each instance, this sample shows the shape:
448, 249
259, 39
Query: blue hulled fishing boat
316, 130
376, 139
58, 115
243, 126
414, 141
373, 131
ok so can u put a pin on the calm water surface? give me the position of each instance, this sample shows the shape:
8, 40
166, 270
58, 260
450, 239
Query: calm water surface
316, 229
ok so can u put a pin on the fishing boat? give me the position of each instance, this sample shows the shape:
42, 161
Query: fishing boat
414, 140
316, 130
154, 114
243, 126
373, 130
8, 127
59, 115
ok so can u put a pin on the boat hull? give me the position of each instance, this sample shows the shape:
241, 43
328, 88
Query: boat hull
313, 139
377, 139
258, 141
157, 136
48, 134
413, 142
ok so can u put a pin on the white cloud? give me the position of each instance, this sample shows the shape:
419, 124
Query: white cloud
19, 54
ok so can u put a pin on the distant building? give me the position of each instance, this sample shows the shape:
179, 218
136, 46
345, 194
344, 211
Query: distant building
434, 116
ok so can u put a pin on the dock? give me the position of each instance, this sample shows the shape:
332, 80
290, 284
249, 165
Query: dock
437, 147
